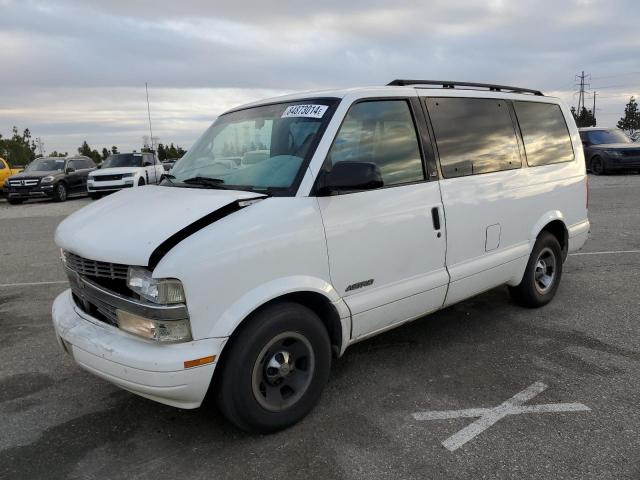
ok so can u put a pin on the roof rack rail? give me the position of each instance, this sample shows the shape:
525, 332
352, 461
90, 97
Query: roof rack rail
472, 85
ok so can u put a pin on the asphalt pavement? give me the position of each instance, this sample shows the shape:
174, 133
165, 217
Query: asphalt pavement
573, 367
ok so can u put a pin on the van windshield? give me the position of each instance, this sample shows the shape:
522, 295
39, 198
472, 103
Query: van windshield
123, 160
262, 149
46, 165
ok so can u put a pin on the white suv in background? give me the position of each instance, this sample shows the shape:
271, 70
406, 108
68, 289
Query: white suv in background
124, 170
352, 212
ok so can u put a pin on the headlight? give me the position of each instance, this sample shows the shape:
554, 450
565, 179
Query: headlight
127, 175
159, 330
163, 291
47, 179
613, 153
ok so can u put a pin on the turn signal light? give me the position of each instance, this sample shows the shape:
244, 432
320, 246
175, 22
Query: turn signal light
199, 361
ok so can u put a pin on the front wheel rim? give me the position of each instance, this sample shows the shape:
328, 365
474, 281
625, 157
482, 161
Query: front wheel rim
545, 271
62, 192
283, 371
597, 167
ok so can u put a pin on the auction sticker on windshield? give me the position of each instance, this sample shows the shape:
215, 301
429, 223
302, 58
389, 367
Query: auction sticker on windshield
311, 111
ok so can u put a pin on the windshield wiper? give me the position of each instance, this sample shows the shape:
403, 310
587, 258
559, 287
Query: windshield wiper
206, 181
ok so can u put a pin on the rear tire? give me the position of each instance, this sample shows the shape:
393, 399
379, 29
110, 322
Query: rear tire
597, 166
15, 201
274, 369
60, 193
542, 276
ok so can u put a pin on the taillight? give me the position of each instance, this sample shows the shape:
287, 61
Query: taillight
588, 192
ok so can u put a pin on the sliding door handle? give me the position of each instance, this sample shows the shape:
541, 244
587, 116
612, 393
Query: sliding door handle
435, 216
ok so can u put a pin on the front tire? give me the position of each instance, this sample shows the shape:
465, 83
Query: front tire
542, 276
15, 201
94, 196
141, 182
60, 193
274, 369
597, 166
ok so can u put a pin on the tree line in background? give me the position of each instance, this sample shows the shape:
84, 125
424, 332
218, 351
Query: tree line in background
20, 149
629, 123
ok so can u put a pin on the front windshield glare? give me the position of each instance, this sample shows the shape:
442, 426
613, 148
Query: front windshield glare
123, 160
257, 149
600, 137
46, 165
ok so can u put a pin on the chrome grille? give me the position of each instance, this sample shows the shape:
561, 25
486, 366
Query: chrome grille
631, 153
28, 182
106, 178
94, 268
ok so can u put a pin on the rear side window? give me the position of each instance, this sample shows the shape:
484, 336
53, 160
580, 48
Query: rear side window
545, 134
473, 135
381, 132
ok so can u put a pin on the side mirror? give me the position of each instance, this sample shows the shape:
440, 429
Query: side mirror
349, 176
99, 166
147, 164
70, 170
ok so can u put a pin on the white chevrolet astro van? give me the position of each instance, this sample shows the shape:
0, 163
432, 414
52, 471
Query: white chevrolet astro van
299, 225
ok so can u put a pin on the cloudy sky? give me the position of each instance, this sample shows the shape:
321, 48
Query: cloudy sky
74, 70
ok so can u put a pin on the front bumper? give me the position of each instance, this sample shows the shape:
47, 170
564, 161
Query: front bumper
622, 163
146, 368
109, 186
38, 191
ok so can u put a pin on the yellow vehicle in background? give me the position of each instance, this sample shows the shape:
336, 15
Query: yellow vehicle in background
6, 171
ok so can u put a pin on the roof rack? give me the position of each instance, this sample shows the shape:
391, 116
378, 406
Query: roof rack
471, 85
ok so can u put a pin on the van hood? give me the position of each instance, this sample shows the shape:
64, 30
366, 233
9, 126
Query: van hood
129, 225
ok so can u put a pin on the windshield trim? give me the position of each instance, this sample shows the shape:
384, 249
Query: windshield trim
291, 191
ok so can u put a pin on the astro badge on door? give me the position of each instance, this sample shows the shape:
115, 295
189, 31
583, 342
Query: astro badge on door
310, 111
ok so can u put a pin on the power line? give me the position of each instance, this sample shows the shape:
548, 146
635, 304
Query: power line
616, 76
617, 86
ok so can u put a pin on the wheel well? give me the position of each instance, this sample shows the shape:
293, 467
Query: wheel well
318, 303
322, 307
558, 229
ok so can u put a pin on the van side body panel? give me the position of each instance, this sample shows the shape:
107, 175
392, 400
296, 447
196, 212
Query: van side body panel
237, 264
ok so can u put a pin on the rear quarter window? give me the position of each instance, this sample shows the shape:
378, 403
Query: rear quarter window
473, 135
544, 132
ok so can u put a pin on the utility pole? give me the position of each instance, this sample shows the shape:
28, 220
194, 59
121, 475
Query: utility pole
146, 87
593, 112
40, 145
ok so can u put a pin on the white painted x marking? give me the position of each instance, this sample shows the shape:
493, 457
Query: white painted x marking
489, 416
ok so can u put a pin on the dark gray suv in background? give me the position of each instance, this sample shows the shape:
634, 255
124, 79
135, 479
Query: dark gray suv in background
609, 150
50, 177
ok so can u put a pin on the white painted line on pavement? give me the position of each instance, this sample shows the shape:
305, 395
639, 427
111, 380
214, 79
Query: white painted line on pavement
31, 284
489, 416
610, 252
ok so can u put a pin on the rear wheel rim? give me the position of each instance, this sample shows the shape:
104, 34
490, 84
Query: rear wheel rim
283, 371
544, 274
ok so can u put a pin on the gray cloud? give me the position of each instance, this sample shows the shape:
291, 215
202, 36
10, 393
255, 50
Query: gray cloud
76, 53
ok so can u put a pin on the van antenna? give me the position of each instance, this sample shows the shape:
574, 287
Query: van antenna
146, 87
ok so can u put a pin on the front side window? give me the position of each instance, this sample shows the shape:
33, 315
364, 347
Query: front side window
473, 135
381, 132
545, 134
264, 148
